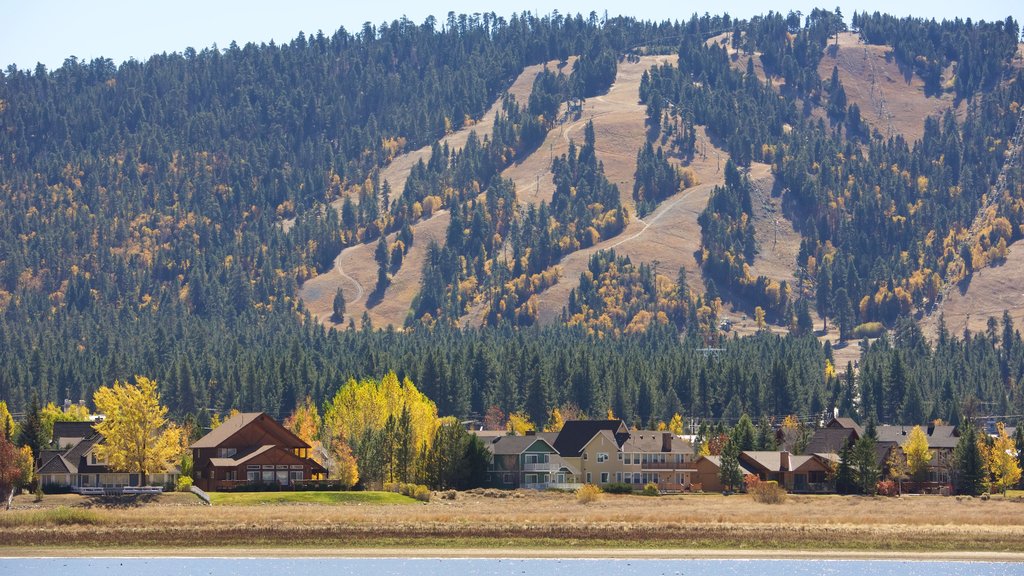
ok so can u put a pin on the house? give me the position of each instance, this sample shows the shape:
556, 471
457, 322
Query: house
75, 464
657, 457
594, 452
942, 441
252, 448
592, 448
529, 461
796, 473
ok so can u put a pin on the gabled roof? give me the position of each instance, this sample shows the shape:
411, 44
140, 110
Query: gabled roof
233, 425
576, 434
72, 430
227, 429
516, 444
938, 436
848, 423
57, 465
827, 440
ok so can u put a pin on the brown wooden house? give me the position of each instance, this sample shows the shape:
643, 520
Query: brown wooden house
252, 448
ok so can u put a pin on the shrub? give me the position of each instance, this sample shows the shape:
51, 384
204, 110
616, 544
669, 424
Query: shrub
618, 488
651, 489
869, 330
183, 484
417, 491
764, 492
886, 488
588, 493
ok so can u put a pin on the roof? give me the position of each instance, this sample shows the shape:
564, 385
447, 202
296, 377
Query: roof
515, 444
227, 429
72, 429
57, 465
575, 434
830, 440
654, 441
717, 461
771, 461
848, 423
938, 436
241, 458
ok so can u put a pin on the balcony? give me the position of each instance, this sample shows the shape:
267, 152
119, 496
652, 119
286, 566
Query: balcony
537, 467
667, 466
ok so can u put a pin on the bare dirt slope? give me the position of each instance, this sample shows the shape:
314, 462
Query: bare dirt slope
355, 271
884, 93
989, 292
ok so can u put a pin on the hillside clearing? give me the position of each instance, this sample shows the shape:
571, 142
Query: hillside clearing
355, 271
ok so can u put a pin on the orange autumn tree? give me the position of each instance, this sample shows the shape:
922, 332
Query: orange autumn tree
305, 423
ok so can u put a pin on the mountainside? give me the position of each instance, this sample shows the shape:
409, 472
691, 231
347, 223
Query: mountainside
208, 217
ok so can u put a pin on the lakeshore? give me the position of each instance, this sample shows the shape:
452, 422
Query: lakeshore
526, 524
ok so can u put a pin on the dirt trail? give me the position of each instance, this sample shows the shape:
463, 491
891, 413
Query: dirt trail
355, 271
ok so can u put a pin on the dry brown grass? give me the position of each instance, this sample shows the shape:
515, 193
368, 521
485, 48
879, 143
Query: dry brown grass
546, 520
554, 519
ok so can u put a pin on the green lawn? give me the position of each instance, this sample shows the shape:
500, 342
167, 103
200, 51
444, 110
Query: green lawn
256, 498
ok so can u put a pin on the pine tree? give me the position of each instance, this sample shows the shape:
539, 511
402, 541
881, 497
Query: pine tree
339, 306
969, 464
743, 434
32, 433
729, 472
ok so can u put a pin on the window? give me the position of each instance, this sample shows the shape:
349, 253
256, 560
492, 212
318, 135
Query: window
252, 476
268, 476
295, 475
507, 478
268, 466
620, 456
618, 476
226, 452
604, 477
588, 478
602, 457
231, 475
253, 467
584, 455
296, 466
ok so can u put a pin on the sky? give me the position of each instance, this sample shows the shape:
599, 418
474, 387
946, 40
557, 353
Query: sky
49, 31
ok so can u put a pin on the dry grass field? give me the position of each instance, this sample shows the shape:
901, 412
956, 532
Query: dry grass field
533, 520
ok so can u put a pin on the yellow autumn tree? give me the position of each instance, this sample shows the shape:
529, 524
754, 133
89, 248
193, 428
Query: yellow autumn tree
343, 466
305, 423
675, 425
555, 421
362, 406
138, 437
918, 455
519, 424
52, 413
1002, 462
7, 429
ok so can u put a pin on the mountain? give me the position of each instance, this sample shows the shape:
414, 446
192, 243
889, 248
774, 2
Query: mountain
468, 184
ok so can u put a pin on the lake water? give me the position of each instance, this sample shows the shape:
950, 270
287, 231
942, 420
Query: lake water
471, 566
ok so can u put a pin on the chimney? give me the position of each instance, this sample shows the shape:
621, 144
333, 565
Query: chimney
531, 432
784, 461
67, 404
666, 441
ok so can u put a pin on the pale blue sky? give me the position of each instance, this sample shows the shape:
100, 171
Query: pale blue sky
49, 31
